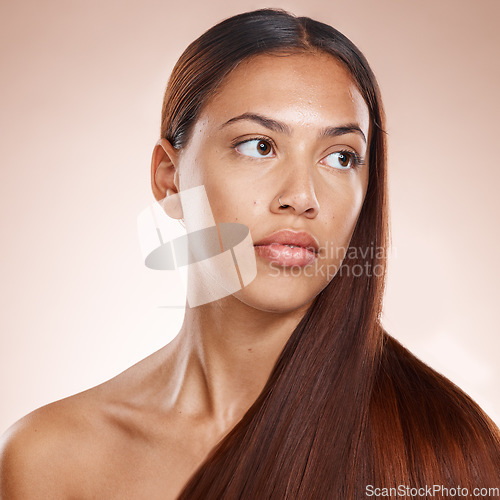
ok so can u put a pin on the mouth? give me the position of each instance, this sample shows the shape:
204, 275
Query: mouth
288, 248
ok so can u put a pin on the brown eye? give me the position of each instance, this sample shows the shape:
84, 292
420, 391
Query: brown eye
342, 160
263, 147
256, 148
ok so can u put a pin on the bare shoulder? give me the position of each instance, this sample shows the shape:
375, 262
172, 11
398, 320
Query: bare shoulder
89, 444
43, 453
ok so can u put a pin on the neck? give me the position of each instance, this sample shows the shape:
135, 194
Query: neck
224, 354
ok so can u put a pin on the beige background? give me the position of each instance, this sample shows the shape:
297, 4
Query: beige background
81, 90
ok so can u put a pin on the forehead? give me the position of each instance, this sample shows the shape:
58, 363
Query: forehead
305, 88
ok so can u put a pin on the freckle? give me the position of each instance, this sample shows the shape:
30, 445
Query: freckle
250, 349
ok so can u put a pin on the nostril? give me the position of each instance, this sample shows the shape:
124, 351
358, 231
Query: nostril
281, 204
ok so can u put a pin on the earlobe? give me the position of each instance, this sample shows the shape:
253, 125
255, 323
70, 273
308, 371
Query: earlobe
172, 205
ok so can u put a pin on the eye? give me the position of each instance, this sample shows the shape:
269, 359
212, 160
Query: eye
256, 148
343, 160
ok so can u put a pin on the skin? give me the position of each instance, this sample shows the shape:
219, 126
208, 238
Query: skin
144, 433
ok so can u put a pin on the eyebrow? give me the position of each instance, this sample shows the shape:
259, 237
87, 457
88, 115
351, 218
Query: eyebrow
281, 127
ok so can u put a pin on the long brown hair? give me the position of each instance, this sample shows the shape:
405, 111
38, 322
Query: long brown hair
346, 407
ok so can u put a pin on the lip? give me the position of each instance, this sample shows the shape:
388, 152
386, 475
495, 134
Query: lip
289, 237
275, 248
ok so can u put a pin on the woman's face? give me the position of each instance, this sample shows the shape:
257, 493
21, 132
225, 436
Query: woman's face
291, 129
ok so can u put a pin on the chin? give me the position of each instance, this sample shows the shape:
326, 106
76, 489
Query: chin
276, 305
279, 294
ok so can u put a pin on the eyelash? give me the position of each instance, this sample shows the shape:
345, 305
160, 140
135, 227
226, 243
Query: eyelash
356, 159
237, 143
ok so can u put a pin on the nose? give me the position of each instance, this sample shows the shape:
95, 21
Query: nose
296, 193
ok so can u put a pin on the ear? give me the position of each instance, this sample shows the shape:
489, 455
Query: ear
165, 178
164, 171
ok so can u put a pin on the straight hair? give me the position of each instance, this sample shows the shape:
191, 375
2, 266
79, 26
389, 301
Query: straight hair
346, 406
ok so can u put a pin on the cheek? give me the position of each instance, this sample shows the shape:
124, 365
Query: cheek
357, 199
344, 206
230, 202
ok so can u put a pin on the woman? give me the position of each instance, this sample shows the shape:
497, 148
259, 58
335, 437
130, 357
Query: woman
288, 387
